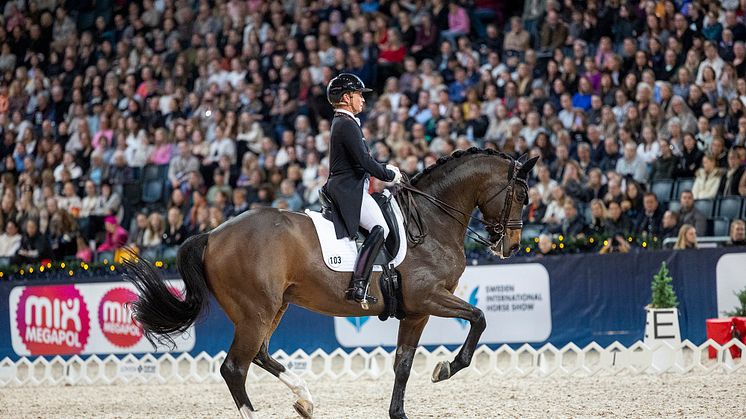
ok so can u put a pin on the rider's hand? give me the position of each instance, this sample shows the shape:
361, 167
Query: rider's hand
397, 173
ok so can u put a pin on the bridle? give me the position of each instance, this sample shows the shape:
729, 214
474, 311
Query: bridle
496, 230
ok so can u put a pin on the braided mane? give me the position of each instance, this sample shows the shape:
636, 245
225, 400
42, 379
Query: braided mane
455, 156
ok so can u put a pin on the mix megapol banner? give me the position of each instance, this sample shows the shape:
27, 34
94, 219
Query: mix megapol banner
76, 319
569, 298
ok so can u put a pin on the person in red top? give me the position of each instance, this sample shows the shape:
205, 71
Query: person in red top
116, 235
392, 51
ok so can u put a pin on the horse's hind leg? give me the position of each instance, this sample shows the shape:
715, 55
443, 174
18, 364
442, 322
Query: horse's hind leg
246, 343
445, 304
304, 402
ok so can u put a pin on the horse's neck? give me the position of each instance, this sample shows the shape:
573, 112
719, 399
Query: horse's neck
459, 189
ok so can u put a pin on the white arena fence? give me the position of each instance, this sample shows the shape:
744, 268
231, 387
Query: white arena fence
545, 361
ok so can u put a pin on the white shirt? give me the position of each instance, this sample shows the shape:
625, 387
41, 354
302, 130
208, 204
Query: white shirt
346, 112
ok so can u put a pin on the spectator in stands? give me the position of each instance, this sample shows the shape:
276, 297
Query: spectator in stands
34, 245
175, 232
618, 222
665, 165
534, 211
670, 225
599, 217
691, 215
687, 238
707, 180
573, 224
631, 165
116, 236
737, 234
10, 240
181, 165
555, 214
732, 176
545, 248
62, 232
153, 235
649, 222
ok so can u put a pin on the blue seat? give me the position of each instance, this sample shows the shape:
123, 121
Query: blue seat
663, 189
682, 185
674, 206
151, 172
730, 207
152, 191
720, 226
705, 206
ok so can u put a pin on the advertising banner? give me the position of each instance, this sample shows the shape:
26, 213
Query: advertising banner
730, 279
80, 319
514, 298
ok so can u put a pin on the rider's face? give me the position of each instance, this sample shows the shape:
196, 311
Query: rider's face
357, 102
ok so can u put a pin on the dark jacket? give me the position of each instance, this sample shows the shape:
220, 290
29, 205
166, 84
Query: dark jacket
350, 164
649, 224
695, 218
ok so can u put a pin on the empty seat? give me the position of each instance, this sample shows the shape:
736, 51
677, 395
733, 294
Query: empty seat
151, 172
674, 206
152, 191
729, 207
662, 189
720, 226
705, 206
683, 185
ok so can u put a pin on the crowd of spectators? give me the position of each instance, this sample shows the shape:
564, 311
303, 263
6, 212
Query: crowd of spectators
140, 123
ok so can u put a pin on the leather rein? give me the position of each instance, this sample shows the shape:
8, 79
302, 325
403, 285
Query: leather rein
497, 230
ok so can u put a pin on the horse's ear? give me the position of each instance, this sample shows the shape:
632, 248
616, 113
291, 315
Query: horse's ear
527, 166
523, 158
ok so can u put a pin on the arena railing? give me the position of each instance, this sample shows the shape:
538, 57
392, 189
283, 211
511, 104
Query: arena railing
546, 361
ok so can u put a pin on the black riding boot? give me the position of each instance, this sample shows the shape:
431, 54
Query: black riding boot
363, 266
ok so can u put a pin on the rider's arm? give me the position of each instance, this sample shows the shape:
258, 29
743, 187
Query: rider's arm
353, 142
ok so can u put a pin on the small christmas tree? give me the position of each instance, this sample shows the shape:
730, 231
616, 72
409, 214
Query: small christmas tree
739, 311
663, 295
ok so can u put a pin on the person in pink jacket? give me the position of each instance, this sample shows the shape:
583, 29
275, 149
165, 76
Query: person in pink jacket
116, 236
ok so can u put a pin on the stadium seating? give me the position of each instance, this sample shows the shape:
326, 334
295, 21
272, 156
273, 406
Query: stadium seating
662, 189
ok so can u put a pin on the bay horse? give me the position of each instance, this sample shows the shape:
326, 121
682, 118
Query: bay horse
261, 261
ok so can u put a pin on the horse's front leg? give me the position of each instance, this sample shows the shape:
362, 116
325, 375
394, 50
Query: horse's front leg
410, 330
445, 304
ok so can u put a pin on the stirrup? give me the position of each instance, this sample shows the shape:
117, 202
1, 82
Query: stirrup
365, 301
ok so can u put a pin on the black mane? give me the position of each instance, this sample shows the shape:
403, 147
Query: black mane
454, 156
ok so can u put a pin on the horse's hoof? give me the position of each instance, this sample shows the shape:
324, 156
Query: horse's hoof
442, 371
304, 409
398, 416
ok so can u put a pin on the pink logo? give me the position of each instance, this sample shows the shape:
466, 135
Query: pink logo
115, 318
53, 320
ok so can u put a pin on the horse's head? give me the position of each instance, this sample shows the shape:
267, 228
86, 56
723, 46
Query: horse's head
502, 206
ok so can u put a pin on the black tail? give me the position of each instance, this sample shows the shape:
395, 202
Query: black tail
160, 313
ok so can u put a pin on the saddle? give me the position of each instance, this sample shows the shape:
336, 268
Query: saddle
391, 245
390, 279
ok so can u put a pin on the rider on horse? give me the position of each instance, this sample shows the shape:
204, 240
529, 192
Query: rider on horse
350, 168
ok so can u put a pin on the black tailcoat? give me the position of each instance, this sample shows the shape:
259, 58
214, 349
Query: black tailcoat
350, 164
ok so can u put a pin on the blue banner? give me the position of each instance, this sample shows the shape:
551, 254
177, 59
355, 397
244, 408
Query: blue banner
560, 299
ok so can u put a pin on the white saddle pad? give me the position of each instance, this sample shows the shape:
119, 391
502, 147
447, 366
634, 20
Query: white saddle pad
340, 254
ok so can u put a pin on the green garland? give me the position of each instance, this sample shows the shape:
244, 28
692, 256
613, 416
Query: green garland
588, 244
67, 269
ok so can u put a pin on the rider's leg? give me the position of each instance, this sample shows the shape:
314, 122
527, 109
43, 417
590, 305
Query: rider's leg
371, 219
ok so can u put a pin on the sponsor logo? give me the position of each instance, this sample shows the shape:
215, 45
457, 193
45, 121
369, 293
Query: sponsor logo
358, 322
115, 318
53, 320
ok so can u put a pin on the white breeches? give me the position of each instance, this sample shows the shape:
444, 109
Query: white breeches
370, 213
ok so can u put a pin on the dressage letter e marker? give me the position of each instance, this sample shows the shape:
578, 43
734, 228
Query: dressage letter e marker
658, 324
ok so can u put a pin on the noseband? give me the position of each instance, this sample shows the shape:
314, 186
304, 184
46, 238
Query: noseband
496, 230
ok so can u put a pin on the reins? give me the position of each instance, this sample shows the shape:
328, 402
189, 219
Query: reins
413, 218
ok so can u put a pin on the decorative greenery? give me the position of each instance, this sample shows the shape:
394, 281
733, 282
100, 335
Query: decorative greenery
663, 294
587, 244
739, 311
67, 269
